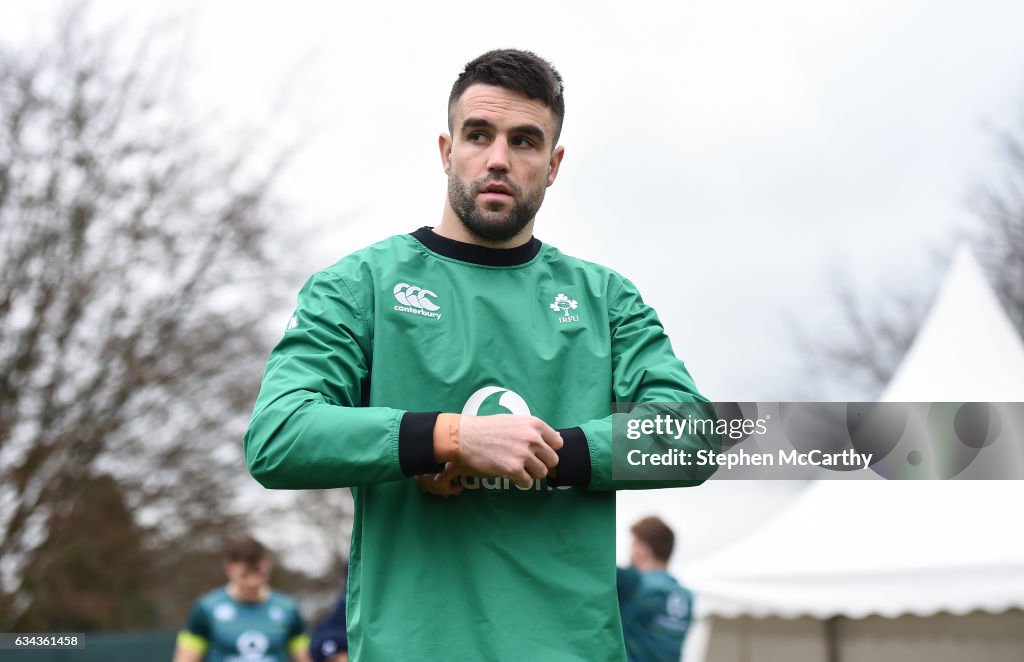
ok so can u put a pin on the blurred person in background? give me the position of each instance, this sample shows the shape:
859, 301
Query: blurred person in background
246, 619
656, 610
330, 638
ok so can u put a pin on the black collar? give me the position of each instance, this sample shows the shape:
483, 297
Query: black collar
491, 257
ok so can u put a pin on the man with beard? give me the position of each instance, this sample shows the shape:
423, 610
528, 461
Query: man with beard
470, 360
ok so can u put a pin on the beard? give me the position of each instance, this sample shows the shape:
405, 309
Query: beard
492, 225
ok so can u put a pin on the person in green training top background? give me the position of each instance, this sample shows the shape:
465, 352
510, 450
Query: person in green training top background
470, 358
656, 610
245, 621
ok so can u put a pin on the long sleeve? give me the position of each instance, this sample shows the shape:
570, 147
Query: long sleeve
310, 427
195, 637
646, 372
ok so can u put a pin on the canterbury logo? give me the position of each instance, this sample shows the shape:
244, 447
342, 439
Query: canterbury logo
416, 300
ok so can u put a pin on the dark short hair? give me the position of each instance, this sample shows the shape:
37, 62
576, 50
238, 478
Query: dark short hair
245, 549
520, 71
654, 533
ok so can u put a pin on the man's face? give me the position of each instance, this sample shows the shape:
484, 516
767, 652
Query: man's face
639, 554
500, 159
250, 580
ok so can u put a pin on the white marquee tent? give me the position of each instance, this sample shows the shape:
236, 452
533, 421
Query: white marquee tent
966, 350
825, 579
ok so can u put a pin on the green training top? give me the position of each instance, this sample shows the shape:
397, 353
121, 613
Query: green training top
227, 630
417, 324
656, 615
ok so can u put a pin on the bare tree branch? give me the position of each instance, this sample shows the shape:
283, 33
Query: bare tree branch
876, 333
134, 279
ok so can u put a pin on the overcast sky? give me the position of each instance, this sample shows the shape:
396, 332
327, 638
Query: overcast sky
732, 158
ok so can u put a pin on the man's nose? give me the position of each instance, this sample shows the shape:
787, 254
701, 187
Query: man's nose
497, 157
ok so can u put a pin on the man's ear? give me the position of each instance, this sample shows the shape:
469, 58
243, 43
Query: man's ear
444, 144
554, 163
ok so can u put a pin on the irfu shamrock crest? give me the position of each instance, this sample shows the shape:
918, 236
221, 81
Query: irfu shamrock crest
563, 304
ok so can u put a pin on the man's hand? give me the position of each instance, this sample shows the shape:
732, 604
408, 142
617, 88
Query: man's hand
444, 484
186, 655
520, 448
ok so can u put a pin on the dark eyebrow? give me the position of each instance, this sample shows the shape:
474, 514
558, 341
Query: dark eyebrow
527, 129
530, 130
476, 123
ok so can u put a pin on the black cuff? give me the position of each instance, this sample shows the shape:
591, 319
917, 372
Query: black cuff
573, 460
416, 443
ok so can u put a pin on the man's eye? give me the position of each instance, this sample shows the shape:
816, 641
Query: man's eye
522, 141
477, 136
